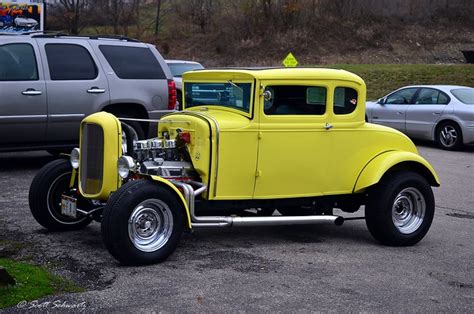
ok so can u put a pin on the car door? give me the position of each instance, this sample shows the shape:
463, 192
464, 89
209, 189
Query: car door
391, 110
23, 108
76, 86
292, 141
426, 110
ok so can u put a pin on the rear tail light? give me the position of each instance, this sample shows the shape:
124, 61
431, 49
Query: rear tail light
171, 95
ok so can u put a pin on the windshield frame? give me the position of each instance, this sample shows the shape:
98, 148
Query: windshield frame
247, 113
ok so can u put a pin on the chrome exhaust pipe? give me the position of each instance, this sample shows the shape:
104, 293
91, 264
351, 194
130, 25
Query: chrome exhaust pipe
229, 221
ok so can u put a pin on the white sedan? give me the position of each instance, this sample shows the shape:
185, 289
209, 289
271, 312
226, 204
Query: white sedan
23, 21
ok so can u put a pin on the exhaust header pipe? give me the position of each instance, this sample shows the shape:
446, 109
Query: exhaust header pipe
229, 221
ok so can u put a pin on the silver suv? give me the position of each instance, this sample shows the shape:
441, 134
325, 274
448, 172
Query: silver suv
50, 82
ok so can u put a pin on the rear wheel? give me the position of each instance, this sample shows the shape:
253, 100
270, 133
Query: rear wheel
449, 136
142, 223
400, 209
46, 189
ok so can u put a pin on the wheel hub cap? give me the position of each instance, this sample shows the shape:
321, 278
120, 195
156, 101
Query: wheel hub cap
150, 225
448, 136
408, 210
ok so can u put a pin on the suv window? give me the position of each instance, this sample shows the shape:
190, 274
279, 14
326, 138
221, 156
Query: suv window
404, 96
345, 100
295, 100
70, 62
431, 96
18, 63
133, 62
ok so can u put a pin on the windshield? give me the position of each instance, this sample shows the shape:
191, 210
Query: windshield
177, 69
230, 95
465, 95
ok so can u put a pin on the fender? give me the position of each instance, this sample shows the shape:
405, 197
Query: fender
160, 180
379, 165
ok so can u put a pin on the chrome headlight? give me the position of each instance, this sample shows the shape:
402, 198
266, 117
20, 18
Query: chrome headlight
75, 157
125, 164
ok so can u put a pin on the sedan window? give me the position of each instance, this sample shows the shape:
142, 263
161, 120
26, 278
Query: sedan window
431, 96
404, 96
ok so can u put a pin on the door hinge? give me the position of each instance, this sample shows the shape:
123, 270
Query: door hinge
260, 135
258, 173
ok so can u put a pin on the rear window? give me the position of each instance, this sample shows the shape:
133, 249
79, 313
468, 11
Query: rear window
70, 62
177, 69
133, 62
465, 95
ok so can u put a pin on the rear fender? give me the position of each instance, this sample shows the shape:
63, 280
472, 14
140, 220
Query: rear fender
172, 187
376, 168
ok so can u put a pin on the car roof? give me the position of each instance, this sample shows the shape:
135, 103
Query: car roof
444, 88
278, 73
180, 61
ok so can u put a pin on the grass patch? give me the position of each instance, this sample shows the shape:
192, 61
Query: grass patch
384, 78
33, 282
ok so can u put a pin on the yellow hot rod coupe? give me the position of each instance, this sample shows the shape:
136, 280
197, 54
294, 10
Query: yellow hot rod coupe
251, 147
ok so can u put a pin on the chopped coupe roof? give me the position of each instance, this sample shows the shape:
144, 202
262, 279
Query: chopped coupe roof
277, 73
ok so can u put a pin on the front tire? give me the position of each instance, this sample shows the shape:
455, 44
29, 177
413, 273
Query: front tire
45, 197
400, 209
142, 223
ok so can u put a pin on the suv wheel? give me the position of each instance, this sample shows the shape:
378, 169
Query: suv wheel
400, 209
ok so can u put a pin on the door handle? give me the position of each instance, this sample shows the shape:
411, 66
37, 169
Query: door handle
399, 112
436, 113
375, 117
328, 126
96, 90
31, 92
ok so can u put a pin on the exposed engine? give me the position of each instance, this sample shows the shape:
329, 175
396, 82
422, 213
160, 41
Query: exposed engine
164, 157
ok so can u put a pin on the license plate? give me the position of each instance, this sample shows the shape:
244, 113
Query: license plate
68, 206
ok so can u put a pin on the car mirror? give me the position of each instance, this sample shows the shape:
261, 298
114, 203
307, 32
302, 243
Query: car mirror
382, 101
267, 95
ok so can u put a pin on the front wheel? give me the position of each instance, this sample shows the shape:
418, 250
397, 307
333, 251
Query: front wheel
400, 209
46, 189
142, 223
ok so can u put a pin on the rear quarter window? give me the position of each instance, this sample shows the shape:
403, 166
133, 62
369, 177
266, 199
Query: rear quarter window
132, 62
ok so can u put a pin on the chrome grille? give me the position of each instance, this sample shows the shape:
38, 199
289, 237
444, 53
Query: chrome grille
92, 158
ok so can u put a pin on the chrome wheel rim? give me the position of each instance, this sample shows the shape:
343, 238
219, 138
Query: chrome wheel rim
150, 225
448, 136
408, 210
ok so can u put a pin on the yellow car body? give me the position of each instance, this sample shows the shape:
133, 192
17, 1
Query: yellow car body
291, 139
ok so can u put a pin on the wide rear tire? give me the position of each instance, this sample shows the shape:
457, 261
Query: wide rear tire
45, 197
400, 209
142, 223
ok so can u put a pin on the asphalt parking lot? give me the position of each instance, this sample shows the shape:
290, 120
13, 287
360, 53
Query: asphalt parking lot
311, 268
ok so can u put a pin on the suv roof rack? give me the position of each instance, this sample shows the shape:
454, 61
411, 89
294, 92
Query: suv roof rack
42, 34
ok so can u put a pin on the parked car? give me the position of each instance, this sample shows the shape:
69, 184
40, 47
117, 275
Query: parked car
23, 21
49, 83
292, 140
441, 113
178, 67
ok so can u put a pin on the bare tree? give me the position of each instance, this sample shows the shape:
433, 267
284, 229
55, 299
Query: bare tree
71, 14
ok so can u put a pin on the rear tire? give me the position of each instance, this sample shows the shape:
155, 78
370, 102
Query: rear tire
400, 209
142, 223
449, 136
45, 197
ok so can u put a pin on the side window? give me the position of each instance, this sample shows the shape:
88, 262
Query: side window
345, 100
404, 96
70, 62
295, 100
427, 96
18, 63
133, 62
443, 99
